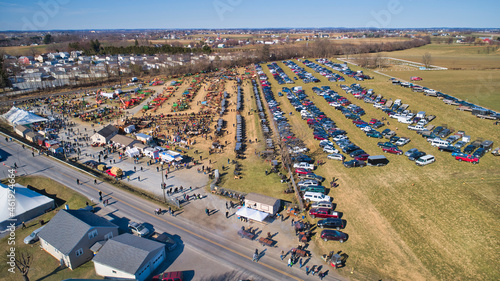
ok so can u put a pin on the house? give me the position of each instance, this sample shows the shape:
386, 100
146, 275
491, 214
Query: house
122, 141
140, 146
104, 135
262, 203
21, 130
33, 136
129, 257
70, 234
143, 137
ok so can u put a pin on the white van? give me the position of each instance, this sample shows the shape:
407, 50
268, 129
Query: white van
315, 197
424, 160
439, 142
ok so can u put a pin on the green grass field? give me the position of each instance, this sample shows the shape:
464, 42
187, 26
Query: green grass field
407, 222
44, 266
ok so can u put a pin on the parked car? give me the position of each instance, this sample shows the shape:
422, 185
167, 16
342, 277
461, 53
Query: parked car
448, 148
460, 144
354, 164
138, 229
374, 134
468, 158
311, 176
479, 152
302, 171
307, 183
330, 149
336, 156
169, 276
322, 204
362, 157
392, 150
469, 149
33, 237
458, 153
357, 152
303, 165
415, 155
410, 151
335, 235
315, 197
331, 223
323, 213
386, 144
424, 160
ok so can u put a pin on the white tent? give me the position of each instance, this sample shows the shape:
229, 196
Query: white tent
17, 116
28, 205
132, 152
252, 214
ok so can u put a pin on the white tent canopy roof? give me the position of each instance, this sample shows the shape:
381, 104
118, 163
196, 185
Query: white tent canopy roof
17, 116
26, 200
252, 214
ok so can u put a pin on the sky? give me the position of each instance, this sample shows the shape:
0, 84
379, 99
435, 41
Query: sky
30, 15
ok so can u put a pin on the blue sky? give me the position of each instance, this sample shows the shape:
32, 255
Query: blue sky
114, 14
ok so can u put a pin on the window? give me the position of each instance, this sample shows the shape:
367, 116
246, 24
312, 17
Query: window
108, 236
79, 252
93, 234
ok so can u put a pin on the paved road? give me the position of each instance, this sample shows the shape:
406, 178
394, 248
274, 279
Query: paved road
202, 251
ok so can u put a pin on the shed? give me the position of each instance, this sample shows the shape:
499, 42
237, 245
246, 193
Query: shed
129, 129
21, 130
262, 203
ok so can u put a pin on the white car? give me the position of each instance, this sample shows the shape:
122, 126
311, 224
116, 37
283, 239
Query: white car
316, 197
339, 137
402, 141
330, 149
366, 129
324, 143
308, 183
335, 104
336, 156
33, 236
303, 165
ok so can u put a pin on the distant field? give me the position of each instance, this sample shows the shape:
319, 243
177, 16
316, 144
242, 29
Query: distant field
24, 50
453, 56
438, 222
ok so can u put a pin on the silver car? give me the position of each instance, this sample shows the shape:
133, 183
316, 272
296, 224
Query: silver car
138, 229
33, 237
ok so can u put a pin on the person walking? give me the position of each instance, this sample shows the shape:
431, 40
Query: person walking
207, 212
170, 210
282, 254
321, 275
77, 181
290, 262
255, 255
128, 178
312, 270
139, 178
293, 220
227, 214
95, 181
307, 270
300, 263
24, 226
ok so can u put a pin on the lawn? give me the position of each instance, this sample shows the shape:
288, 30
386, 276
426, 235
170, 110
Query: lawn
44, 266
407, 222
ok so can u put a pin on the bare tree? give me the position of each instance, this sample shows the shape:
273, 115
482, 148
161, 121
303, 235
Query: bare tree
23, 263
427, 60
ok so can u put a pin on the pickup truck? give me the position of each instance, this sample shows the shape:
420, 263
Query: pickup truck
323, 213
393, 150
386, 144
303, 165
415, 127
468, 158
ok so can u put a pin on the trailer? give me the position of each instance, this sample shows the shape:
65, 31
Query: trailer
377, 160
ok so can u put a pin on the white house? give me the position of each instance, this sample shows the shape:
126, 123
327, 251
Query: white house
104, 135
129, 257
262, 203
70, 234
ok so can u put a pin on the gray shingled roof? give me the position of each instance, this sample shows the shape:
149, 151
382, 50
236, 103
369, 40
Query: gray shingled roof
107, 131
68, 227
127, 252
261, 198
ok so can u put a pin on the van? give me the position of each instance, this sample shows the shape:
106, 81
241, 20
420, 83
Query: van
322, 204
439, 142
313, 188
315, 197
424, 160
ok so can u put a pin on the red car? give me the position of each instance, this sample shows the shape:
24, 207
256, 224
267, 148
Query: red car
318, 137
468, 158
323, 213
301, 171
362, 157
373, 121
415, 78
392, 150
358, 122
169, 276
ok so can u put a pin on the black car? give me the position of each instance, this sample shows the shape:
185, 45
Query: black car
331, 223
444, 133
350, 148
414, 156
354, 164
385, 132
357, 152
479, 152
448, 148
469, 149
303, 158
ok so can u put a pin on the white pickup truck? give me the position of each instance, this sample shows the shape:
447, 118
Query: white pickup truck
303, 165
416, 127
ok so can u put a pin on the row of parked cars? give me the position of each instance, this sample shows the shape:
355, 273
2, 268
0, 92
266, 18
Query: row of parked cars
330, 75
305, 76
278, 74
344, 69
476, 110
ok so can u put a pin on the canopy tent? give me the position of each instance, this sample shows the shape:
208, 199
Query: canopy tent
252, 214
17, 116
132, 152
29, 204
